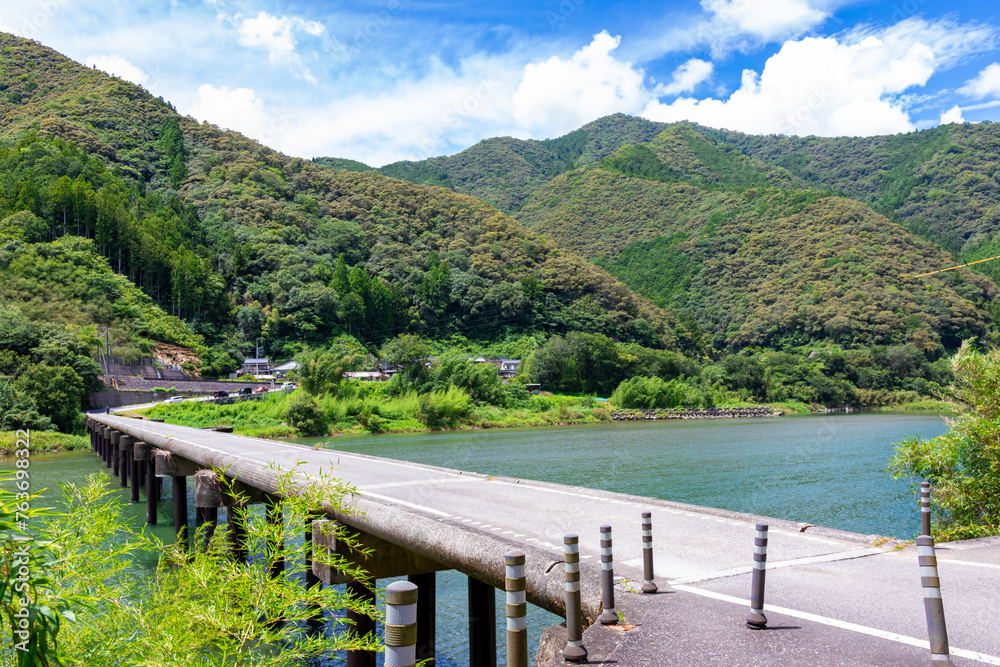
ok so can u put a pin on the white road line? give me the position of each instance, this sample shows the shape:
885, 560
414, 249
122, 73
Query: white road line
415, 506
420, 482
968, 562
843, 625
780, 564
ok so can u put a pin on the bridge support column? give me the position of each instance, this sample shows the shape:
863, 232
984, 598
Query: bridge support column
180, 509
482, 624
178, 469
275, 542
130, 467
426, 614
118, 466
144, 454
311, 577
236, 518
106, 454
113, 440
208, 498
363, 625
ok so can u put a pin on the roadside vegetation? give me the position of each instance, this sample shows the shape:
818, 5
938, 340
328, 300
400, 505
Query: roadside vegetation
100, 591
963, 465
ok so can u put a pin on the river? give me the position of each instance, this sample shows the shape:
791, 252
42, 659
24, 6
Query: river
827, 470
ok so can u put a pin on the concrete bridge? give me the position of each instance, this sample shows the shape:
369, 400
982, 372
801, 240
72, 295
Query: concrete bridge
833, 597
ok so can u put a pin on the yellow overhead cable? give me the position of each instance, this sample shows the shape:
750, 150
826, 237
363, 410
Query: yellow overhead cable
952, 268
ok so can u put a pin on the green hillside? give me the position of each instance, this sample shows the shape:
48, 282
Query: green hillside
941, 183
243, 242
771, 267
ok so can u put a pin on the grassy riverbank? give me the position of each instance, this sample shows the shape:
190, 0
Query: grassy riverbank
275, 416
365, 411
43, 441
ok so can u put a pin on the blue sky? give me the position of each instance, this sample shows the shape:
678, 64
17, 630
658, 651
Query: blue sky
385, 80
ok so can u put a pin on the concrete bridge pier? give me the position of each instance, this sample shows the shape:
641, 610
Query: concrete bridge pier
208, 499
426, 584
178, 470
387, 560
143, 453
482, 624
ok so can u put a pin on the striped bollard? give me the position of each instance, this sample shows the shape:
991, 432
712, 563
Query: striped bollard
608, 615
933, 606
756, 619
574, 651
400, 624
925, 508
648, 585
517, 610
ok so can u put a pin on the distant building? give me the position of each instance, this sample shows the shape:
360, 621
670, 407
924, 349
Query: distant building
367, 376
255, 366
282, 370
506, 368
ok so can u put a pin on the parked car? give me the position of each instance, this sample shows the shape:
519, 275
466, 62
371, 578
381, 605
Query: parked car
174, 399
246, 391
221, 394
289, 386
260, 390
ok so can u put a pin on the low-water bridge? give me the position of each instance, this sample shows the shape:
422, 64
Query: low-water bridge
833, 597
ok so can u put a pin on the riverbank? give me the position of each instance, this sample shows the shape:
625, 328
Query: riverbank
42, 441
279, 415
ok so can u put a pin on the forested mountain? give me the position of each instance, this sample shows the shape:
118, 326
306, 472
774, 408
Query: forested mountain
778, 241
243, 242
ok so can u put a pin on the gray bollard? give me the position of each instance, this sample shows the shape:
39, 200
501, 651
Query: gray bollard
648, 585
925, 508
401, 624
608, 615
933, 605
517, 610
756, 619
574, 651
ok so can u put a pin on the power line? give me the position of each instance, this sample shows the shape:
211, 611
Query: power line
952, 268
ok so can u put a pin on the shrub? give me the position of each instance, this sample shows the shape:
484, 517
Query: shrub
962, 464
443, 407
305, 415
602, 414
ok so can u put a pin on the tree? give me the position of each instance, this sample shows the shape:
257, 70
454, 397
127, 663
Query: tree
341, 279
410, 352
963, 464
58, 391
18, 410
321, 371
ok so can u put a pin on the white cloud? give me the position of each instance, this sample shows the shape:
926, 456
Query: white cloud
276, 35
767, 20
687, 77
824, 86
117, 66
558, 95
238, 109
986, 83
952, 115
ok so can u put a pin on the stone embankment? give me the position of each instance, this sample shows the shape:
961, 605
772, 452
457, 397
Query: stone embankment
693, 413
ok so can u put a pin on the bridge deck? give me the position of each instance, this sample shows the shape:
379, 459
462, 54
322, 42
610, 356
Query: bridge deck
467, 521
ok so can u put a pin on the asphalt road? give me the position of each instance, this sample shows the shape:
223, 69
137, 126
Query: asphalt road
832, 597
